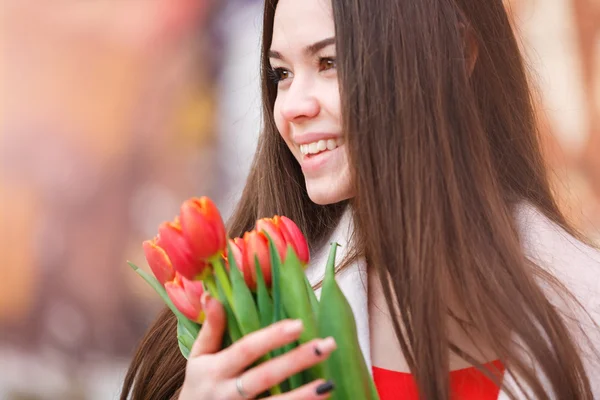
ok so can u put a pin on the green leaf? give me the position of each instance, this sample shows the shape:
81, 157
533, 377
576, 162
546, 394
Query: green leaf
297, 304
185, 339
243, 305
278, 311
275, 281
346, 365
296, 301
314, 303
191, 326
265, 304
223, 278
185, 351
233, 329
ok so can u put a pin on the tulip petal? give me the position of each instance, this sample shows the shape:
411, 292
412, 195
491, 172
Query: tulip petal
256, 247
171, 239
178, 296
194, 291
236, 247
203, 227
159, 261
269, 225
293, 235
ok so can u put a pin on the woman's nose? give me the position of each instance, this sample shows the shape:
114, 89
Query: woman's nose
300, 103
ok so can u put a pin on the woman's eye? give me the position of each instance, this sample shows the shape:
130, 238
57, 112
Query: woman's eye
327, 63
278, 74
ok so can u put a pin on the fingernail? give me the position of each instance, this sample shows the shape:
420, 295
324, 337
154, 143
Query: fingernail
295, 326
325, 387
325, 346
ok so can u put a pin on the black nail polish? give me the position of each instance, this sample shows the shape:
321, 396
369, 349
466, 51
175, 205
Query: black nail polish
325, 387
317, 351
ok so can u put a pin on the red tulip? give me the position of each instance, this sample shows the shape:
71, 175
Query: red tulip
186, 295
203, 228
269, 225
159, 261
256, 247
293, 236
184, 260
283, 231
237, 248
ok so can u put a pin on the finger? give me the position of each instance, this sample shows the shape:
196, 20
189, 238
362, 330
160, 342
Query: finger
316, 390
250, 348
210, 338
270, 373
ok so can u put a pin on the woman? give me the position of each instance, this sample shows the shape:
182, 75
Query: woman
405, 130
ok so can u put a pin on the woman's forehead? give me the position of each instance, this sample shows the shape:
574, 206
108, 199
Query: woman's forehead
299, 24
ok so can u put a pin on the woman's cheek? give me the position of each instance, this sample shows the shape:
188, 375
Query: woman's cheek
279, 121
333, 100
282, 128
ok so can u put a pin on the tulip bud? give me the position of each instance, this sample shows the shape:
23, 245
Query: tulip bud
159, 261
203, 228
186, 295
256, 247
293, 236
184, 260
269, 225
283, 231
237, 248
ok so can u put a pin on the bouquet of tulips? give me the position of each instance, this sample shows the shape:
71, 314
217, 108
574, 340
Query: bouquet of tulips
259, 279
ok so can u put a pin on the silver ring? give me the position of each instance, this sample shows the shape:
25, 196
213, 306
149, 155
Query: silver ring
240, 388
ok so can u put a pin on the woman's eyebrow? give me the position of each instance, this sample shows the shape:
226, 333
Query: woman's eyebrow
321, 44
309, 50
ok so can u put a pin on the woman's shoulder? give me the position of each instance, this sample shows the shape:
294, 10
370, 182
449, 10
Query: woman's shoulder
575, 263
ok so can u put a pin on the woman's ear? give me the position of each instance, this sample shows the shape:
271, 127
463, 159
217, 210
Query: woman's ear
471, 46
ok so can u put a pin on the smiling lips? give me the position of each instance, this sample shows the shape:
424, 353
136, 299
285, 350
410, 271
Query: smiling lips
320, 146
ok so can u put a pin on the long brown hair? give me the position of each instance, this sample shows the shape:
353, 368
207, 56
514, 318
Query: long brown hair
440, 157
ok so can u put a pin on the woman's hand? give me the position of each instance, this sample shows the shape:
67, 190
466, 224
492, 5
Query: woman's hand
215, 374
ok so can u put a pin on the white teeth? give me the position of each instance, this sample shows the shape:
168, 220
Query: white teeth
321, 145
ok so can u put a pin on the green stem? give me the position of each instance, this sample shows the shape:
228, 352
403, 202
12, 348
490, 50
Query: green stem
223, 278
211, 286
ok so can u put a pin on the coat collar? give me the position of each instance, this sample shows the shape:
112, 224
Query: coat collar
545, 243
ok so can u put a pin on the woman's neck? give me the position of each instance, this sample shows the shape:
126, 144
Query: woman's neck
385, 349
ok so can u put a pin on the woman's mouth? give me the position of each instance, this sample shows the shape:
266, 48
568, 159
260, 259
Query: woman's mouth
314, 148
316, 156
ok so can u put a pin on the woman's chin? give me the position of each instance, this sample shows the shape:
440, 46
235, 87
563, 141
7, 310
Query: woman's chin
324, 193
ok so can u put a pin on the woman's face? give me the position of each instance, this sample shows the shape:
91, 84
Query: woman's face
307, 108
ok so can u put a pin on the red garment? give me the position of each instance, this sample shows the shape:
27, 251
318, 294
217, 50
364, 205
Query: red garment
465, 384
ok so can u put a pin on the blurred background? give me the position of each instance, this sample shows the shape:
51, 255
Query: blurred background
114, 112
